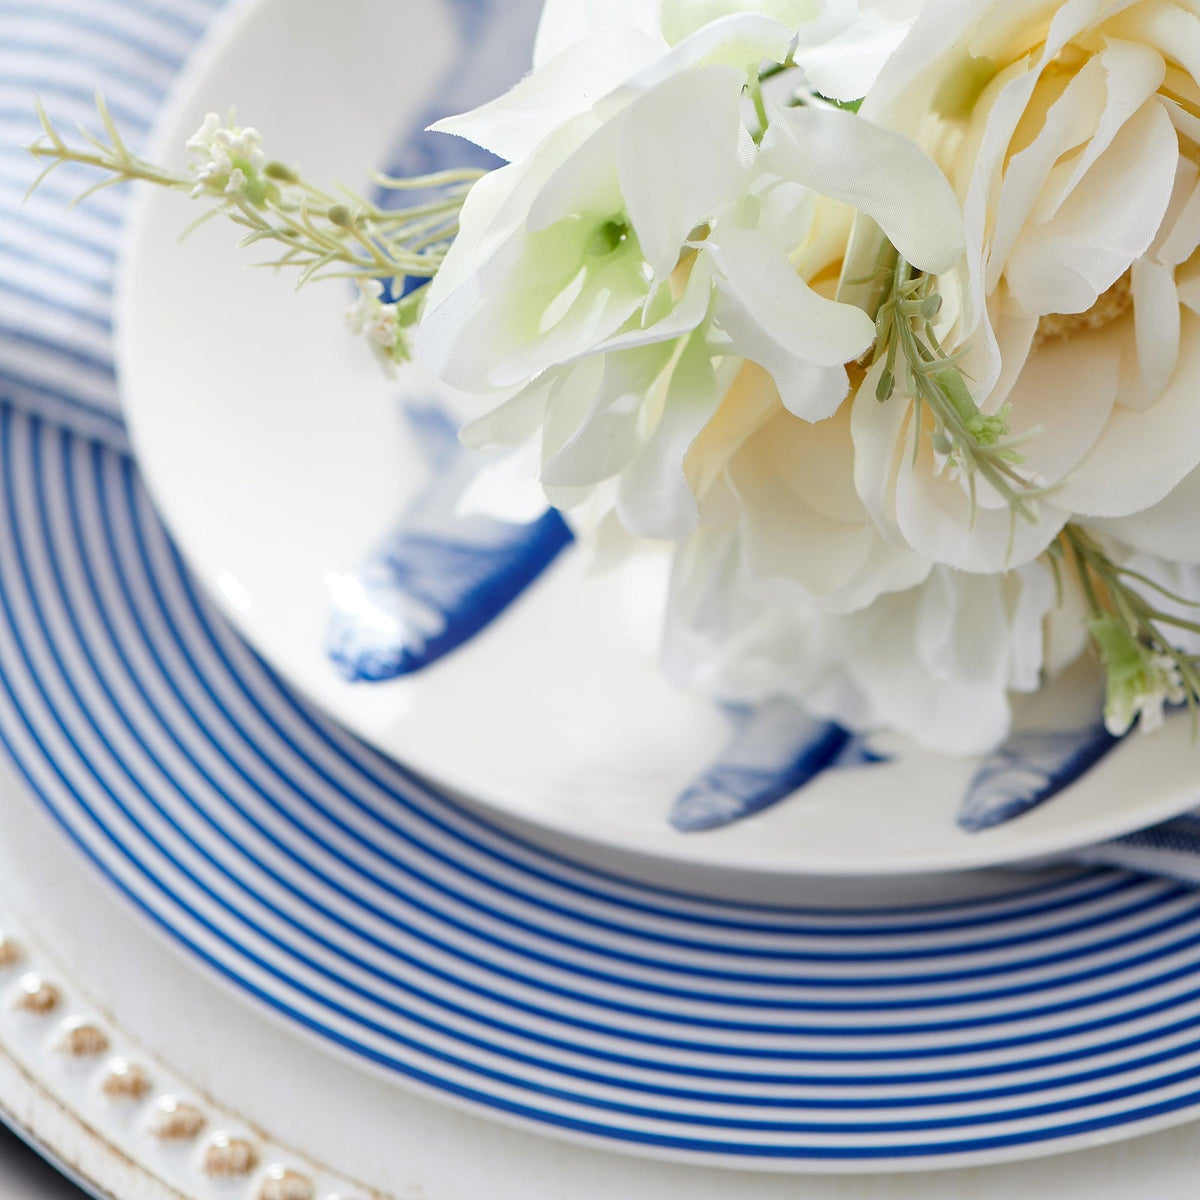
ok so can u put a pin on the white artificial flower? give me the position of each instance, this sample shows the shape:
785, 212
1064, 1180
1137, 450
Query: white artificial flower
937, 662
840, 44
610, 284
1068, 131
227, 158
369, 315
1144, 702
381, 322
562, 253
668, 293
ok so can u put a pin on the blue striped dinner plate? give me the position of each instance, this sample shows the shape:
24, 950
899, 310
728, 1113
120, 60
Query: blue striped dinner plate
334, 890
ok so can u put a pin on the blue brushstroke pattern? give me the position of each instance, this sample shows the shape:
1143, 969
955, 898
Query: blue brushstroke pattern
1029, 769
437, 579
494, 49
777, 752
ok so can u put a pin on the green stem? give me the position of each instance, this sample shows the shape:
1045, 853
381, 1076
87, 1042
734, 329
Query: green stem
317, 230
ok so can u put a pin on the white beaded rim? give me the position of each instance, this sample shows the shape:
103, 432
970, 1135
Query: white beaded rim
113, 1117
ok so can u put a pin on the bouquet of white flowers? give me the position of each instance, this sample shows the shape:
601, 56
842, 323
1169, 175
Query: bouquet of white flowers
884, 316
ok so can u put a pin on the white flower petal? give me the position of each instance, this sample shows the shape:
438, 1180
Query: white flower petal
804, 529
1157, 324
750, 401
655, 499
880, 173
681, 318
445, 342
743, 41
607, 438
684, 155
946, 712
880, 433
513, 125
511, 422
1170, 28
1144, 455
1168, 529
844, 67
1110, 220
611, 294
565, 23
934, 514
1133, 74
683, 18
1062, 401
1038, 597
1069, 123
476, 239
778, 321
953, 648
1181, 230
583, 182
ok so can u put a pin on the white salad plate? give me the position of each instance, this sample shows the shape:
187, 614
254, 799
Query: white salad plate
278, 453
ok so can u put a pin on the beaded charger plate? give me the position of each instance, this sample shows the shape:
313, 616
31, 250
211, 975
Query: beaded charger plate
329, 887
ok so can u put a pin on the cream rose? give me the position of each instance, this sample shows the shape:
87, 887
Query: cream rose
1070, 133
789, 588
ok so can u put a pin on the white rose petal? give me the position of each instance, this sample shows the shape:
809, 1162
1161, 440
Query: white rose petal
1144, 455
1109, 221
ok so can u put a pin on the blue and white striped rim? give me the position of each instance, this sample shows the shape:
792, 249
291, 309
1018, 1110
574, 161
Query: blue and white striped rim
326, 883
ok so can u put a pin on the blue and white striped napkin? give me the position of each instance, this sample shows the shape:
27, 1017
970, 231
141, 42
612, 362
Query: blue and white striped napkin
57, 270
57, 267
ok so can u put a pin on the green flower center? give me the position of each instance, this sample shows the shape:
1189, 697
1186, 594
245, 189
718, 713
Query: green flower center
608, 238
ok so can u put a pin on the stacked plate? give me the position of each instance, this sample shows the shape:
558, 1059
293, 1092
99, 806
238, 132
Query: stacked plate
178, 713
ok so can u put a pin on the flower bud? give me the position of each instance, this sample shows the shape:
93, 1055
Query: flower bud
886, 386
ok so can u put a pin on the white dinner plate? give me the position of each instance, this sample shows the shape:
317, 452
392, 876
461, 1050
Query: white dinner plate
997, 1017
276, 450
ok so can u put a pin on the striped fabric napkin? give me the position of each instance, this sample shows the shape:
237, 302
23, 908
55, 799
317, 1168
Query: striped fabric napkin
56, 267
57, 271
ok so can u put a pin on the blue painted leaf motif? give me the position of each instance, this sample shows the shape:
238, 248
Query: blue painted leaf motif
494, 42
437, 579
1029, 769
777, 752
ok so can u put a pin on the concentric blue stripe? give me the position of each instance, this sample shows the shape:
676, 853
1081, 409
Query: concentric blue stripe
55, 518
326, 912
